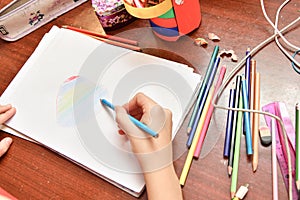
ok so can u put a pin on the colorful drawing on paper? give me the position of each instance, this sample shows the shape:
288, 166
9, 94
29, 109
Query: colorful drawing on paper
76, 92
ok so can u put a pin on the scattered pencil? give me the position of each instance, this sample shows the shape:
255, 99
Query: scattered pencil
109, 39
119, 44
213, 59
209, 114
247, 117
228, 132
105, 36
232, 141
237, 146
256, 122
274, 161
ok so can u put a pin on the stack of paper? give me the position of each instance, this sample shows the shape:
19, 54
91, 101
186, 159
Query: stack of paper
57, 92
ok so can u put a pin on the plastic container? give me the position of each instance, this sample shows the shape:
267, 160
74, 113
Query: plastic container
111, 14
169, 19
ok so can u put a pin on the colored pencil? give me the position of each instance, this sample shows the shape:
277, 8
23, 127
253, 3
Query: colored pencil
237, 145
274, 161
116, 43
252, 85
202, 87
105, 36
109, 39
190, 155
247, 77
228, 132
247, 127
202, 102
234, 123
134, 120
248, 72
297, 130
209, 114
256, 122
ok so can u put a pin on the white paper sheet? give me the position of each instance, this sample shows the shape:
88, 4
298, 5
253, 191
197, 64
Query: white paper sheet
56, 95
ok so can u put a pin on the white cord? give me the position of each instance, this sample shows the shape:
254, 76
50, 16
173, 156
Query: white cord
296, 63
238, 68
275, 27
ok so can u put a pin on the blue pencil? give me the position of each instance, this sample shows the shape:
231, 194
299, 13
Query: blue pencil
204, 82
247, 118
134, 120
229, 123
247, 76
202, 102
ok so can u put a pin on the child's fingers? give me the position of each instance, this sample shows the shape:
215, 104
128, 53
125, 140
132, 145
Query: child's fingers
4, 145
4, 108
4, 116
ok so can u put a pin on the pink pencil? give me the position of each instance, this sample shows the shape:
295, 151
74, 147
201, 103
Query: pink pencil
209, 114
274, 161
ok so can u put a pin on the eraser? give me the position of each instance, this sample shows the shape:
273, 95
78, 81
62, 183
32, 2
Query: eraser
265, 136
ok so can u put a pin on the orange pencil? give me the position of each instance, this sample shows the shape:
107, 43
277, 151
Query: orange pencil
256, 122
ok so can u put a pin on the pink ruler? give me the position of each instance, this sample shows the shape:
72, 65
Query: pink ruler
279, 109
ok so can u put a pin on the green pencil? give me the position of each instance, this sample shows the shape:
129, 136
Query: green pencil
297, 122
237, 145
203, 86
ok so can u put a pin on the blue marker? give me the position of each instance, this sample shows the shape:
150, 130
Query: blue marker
134, 120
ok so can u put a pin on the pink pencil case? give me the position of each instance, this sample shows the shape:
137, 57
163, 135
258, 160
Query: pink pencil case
21, 17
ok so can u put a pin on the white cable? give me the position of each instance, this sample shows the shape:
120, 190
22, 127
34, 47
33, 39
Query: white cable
295, 63
275, 27
251, 53
295, 48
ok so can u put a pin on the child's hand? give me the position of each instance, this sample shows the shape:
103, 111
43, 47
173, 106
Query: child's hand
154, 154
6, 112
144, 145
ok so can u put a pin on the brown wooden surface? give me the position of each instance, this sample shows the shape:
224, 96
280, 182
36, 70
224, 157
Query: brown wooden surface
30, 171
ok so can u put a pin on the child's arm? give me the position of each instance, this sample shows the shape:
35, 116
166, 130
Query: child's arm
153, 154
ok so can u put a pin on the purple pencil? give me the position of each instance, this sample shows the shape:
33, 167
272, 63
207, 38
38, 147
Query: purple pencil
228, 133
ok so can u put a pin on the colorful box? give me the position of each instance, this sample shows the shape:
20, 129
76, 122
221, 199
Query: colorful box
169, 19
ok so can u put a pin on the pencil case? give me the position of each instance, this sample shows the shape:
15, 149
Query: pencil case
21, 17
169, 19
111, 14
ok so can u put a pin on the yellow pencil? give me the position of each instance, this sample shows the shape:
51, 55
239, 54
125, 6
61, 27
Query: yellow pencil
190, 155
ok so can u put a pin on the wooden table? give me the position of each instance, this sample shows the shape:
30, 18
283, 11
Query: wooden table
30, 171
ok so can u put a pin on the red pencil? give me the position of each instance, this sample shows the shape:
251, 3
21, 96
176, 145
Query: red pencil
209, 114
105, 36
116, 43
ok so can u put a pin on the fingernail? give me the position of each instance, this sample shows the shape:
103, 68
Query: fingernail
8, 140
